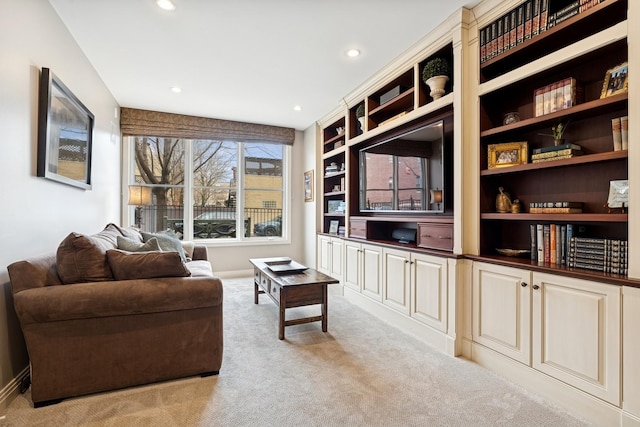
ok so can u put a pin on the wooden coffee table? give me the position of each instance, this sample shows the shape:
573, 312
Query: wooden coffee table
295, 288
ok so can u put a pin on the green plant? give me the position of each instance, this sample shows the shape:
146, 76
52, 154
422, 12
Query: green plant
557, 131
360, 111
435, 67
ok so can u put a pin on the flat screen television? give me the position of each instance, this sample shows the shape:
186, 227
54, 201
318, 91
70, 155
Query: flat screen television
404, 173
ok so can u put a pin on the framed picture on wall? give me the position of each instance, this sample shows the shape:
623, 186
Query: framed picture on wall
308, 186
65, 134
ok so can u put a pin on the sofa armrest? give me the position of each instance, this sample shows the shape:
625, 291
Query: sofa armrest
200, 253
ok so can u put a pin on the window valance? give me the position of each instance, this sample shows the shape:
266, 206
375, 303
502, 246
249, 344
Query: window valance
134, 122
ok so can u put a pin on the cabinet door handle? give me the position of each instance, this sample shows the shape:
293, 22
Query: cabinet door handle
523, 284
536, 287
444, 237
406, 261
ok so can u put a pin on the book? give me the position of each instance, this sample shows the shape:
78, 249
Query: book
624, 132
552, 244
506, 32
546, 236
555, 210
561, 17
532, 232
569, 235
493, 40
563, 244
535, 23
528, 18
566, 156
556, 148
555, 204
544, 15
616, 130
499, 37
520, 24
540, 242
483, 45
556, 153
538, 102
546, 99
513, 36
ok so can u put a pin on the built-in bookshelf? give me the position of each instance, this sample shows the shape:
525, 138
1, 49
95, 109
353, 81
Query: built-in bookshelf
573, 49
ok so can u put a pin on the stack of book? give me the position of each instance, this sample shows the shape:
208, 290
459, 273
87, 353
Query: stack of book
556, 152
606, 255
550, 242
555, 207
557, 96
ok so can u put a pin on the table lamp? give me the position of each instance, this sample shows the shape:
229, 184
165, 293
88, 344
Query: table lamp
139, 196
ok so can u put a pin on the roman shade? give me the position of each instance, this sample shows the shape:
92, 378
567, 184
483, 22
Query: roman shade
135, 122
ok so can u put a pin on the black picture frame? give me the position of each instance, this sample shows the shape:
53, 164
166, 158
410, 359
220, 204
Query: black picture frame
65, 134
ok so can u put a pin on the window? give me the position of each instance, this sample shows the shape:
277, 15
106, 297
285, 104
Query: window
210, 189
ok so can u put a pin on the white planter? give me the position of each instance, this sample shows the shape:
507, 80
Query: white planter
436, 84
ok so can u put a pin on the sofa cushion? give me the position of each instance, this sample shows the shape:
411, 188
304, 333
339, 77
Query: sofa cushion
130, 245
146, 265
82, 258
200, 268
167, 242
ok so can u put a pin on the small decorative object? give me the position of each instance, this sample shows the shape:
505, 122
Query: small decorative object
436, 74
513, 252
308, 186
339, 130
615, 81
511, 117
332, 168
336, 188
65, 134
515, 206
503, 201
507, 154
618, 199
557, 132
360, 116
390, 94
333, 227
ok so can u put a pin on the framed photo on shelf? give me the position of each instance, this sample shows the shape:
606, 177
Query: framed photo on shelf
507, 154
65, 134
616, 80
618, 195
333, 227
308, 186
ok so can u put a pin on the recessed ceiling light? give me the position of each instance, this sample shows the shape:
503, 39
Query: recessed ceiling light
297, 108
353, 53
166, 4
176, 89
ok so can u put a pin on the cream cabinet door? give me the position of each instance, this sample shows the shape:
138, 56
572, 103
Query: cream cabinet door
371, 271
324, 254
501, 303
429, 290
576, 333
337, 249
396, 279
352, 265
631, 350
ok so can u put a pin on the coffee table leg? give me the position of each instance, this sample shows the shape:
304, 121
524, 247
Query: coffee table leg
256, 292
281, 316
325, 302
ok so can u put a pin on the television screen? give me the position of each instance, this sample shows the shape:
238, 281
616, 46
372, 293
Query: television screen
404, 173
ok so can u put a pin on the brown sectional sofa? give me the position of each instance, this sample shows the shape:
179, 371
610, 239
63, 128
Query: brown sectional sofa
91, 336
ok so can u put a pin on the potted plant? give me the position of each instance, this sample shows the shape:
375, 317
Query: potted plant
360, 116
557, 132
436, 74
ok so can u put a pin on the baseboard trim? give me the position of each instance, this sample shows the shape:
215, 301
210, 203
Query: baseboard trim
12, 390
629, 420
437, 339
577, 402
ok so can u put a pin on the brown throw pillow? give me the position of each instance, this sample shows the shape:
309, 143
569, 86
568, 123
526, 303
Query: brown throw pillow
82, 258
146, 265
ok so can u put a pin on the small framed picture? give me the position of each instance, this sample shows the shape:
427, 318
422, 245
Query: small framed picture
616, 81
507, 154
618, 194
333, 227
308, 186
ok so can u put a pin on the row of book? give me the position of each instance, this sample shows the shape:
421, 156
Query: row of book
557, 244
620, 130
557, 96
527, 20
556, 152
606, 255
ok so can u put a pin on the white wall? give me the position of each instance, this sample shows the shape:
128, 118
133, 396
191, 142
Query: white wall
37, 213
310, 212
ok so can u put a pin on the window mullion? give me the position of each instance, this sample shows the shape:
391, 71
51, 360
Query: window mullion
188, 190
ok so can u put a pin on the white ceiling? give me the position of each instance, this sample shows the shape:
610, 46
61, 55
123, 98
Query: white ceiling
246, 60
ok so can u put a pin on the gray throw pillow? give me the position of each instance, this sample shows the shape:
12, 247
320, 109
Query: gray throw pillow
167, 243
131, 245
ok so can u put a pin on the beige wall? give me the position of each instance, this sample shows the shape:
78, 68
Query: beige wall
37, 213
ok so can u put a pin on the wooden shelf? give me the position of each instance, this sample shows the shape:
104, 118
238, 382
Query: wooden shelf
586, 109
334, 174
334, 193
580, 217
396, 105
334, 214
586, 158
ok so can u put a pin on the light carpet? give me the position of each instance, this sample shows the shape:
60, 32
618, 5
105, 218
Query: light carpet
362, 372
